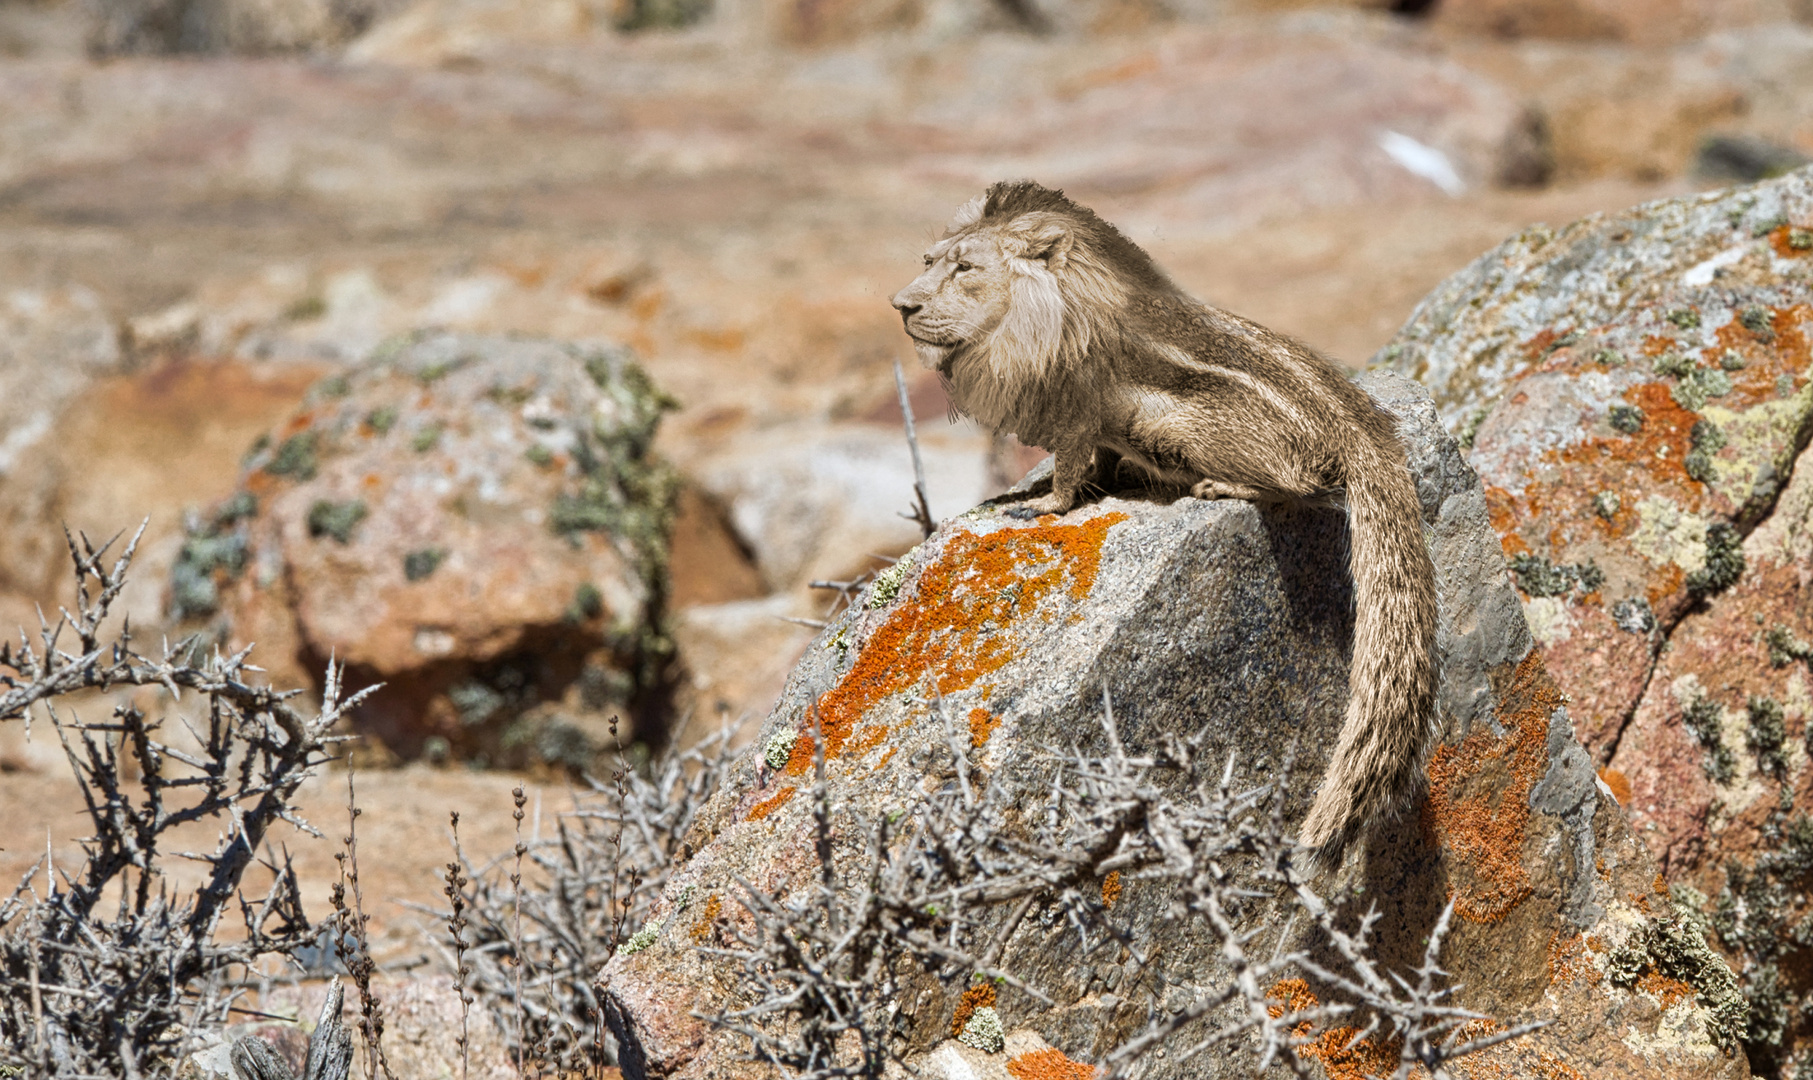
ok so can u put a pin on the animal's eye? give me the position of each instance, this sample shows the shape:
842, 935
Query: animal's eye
962, 266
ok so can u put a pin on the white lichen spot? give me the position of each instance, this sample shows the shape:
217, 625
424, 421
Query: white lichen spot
779, 748
1667, 534
641, 939
1701, 273
1550, 620
1682, 1029
434, 641
984, 1031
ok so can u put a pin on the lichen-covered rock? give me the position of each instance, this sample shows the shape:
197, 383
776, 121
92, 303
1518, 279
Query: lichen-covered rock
1221, 616
478, 523
227, 26
1636, 388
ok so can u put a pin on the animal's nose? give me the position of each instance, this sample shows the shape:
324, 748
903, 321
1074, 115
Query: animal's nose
905, 306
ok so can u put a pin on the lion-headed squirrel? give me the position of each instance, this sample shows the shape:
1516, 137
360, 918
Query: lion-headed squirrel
1047, 322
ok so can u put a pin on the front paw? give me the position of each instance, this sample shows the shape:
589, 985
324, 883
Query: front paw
1044, 504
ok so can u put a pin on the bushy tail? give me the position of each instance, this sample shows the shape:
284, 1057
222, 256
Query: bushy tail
1379, 757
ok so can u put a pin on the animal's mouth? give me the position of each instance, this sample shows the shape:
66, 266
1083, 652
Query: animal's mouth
935, 355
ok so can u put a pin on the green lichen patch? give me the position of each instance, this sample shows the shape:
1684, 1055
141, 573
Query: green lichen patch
382, 419
1685, 318
1634, 615
1675, 364
1762, 915
427, 438
1724, 561
588, 603
1707, 439
1540, 577
1607, 504
418, 565
297, 457
336, 519
1627, 418
1759, 321
1699, 385
1766, 735
625, 489
1703, 718
887, 585
780, 748
215, 552
1675, 948
1786, 648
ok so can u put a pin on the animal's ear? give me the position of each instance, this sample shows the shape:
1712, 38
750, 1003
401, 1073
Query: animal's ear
1046, 237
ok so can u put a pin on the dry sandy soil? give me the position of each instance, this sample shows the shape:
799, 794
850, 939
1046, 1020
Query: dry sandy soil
740, 215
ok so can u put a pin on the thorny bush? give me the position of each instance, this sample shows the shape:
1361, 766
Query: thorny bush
944, 887
538, 941
102, 969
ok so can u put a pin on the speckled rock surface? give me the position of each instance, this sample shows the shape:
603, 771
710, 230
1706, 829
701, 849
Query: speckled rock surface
475, 522
1637, 389
1215, 614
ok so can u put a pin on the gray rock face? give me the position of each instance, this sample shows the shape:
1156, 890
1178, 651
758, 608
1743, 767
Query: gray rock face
1199, 615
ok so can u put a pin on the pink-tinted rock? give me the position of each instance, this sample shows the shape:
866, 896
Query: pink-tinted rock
477, 523
1636, 389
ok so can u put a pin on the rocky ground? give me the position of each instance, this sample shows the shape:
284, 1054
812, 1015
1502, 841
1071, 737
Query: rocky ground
189, 243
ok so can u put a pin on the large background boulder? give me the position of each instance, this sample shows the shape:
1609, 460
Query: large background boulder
1196, 615
1636, 390
477, 523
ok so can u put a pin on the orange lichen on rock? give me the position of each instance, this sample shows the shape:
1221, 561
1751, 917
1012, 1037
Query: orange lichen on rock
1783, 239
979, 996
868, 739
701, 929
1659, 447
770, 804
1479, 796
1111, 888
1618, 782
1570, 958
960, 624
1048, 1065
1667, 990
1360, 1061
982, 724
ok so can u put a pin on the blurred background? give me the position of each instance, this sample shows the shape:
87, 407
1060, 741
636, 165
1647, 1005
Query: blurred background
213, 211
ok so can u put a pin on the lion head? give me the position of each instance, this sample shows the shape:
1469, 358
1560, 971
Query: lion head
1019, 286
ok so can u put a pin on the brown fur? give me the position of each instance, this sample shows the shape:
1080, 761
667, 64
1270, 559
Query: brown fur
1048, 323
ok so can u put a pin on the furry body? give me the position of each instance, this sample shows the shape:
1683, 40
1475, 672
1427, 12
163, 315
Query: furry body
1047, 322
